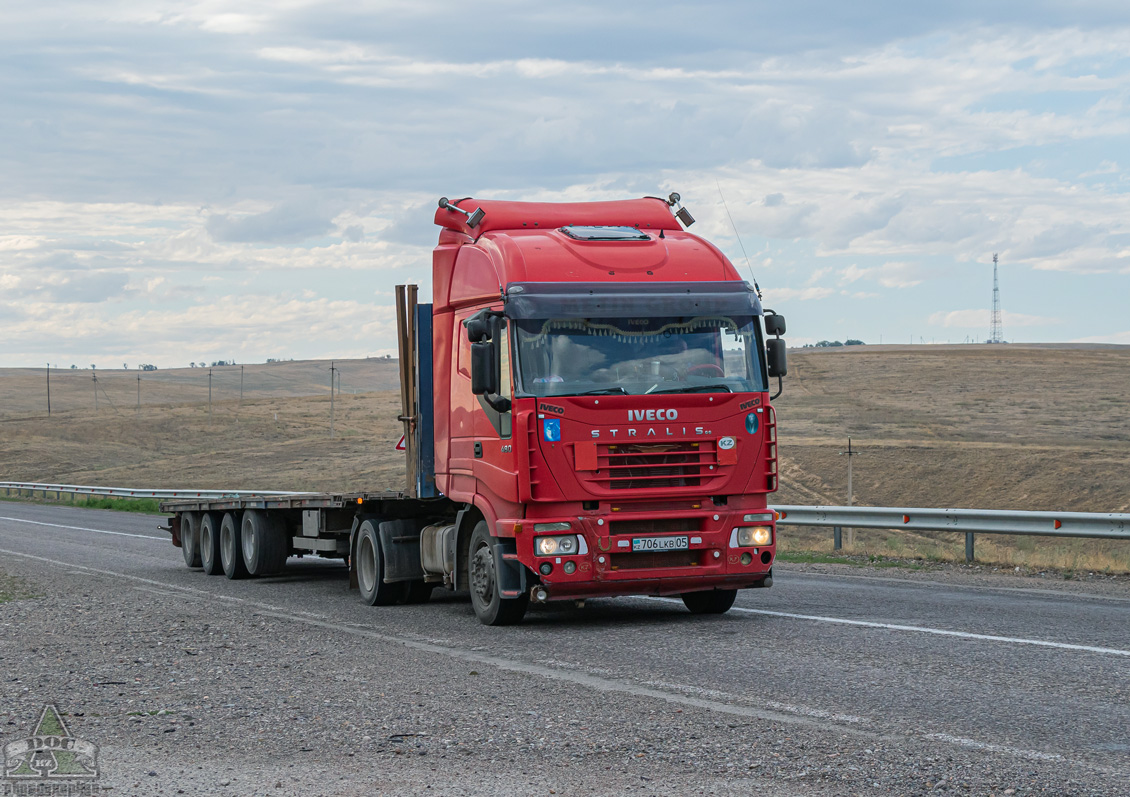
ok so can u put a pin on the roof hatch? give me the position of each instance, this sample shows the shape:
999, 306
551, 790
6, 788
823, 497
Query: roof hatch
593, 233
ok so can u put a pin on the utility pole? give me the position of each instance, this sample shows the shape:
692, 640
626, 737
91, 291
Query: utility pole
209, 394
139, 395
850, 453
48, 390
332, 370
241, 386
94, 379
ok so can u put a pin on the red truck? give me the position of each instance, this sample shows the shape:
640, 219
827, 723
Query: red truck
587, 413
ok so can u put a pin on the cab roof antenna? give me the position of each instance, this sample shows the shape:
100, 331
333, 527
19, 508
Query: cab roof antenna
749, 265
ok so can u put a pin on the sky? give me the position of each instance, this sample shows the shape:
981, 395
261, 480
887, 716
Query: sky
196, 181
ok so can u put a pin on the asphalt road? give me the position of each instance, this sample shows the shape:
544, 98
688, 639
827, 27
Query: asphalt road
846, 683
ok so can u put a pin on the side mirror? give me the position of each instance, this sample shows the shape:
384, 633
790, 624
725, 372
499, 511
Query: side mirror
484, 374
774, 324
775, 357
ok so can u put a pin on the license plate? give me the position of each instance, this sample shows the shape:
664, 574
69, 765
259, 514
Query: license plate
660, 543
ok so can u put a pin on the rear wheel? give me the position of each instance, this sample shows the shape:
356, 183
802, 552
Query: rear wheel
371, 571
190, 539
209, 535
231, 548
486, 597
263, 539
715, 601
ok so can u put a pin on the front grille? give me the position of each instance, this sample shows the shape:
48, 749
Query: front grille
667, 525
648, 559
630, 466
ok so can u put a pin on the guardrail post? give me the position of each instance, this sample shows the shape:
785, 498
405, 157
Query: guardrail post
969, 546
837, 538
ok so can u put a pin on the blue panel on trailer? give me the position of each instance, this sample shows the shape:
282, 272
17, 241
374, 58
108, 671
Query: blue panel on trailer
425, 436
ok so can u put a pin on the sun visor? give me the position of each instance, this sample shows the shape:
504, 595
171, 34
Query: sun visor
621, 300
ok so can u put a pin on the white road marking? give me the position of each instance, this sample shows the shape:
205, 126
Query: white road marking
551, 673
994, 748
1043, 643
83, 528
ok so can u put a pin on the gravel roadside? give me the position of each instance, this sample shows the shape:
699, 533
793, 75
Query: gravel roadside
190, 694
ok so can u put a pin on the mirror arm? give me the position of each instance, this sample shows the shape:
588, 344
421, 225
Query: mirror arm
497, 403
780, 389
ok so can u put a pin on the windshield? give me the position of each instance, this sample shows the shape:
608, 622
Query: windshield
638, 356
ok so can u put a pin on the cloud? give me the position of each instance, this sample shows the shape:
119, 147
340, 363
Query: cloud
289, 222
981, 318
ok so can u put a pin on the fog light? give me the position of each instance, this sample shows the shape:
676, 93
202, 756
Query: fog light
747, 557
546, 568
570, 567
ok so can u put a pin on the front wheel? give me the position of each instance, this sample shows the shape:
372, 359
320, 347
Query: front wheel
715, 601
486, 597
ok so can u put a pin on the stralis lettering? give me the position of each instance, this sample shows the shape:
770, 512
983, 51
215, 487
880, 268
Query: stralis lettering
652, 415
666, 431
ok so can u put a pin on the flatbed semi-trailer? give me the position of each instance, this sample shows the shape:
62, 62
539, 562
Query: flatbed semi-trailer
587, 413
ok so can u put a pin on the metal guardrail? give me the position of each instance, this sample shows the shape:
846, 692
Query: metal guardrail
1111, 526
130, 492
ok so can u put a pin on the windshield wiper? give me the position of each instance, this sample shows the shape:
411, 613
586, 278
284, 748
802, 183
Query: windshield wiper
603, 391
699, 389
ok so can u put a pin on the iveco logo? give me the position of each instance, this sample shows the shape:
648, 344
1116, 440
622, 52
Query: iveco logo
652, 415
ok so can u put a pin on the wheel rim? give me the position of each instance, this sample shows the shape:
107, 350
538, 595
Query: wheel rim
482, 574
366, 565
249, 544
227, 547
206, 545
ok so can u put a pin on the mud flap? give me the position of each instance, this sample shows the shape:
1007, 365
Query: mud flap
400, 549
510, 572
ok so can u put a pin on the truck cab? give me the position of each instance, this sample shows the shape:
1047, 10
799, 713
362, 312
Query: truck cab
600, 406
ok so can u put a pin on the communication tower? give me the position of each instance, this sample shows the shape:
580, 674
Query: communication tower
996, 333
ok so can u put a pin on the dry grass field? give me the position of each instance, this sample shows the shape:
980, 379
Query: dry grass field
995, 427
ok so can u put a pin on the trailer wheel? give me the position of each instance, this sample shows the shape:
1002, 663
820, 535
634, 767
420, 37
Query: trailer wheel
714, 601
190, 539
490, 607
231, 548
371, 570
209, 535
263, 539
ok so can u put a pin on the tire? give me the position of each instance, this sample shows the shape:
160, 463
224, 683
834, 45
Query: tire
231, 547
190, 539
371, 570
715, 601
418, 591
263, 540
208, 532
490, 607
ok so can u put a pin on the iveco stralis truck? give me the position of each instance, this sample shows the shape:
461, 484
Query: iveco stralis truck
587, 413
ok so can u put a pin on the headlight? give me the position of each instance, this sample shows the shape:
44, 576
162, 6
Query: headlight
540, 527
754, 536
556, 546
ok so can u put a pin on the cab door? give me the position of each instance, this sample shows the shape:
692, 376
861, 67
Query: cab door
495, 463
